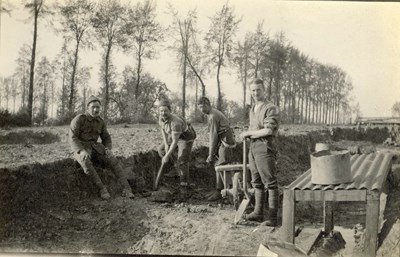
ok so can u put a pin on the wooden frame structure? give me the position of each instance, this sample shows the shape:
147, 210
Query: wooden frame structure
369, 183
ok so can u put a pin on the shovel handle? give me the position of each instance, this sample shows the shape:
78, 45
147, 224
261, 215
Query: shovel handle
246, 192
157, 181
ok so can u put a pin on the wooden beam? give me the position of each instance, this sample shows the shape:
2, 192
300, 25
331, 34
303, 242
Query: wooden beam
332, 195
328, 216
229, 167
372, 217
288, 219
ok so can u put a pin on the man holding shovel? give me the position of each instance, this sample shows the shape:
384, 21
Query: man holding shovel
176, 132
84, 132
263, 128
221, 140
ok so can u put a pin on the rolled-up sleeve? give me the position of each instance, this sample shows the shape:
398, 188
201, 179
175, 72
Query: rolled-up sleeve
272, 119
74, 131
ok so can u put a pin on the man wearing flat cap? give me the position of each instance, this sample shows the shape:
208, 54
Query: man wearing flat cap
176, 133
84, 133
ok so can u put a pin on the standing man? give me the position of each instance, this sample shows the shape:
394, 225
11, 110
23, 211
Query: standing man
221, 140
176, 132
84, 132
263, 128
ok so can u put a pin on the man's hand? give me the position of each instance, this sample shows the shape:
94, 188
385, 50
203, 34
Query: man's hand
84, 155
165, 159
244, 135
108, 152
210, 159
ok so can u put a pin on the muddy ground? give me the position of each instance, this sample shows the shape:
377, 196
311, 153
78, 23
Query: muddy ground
48, 205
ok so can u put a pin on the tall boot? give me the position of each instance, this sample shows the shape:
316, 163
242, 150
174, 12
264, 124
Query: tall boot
257, 214
126, 188
272, 220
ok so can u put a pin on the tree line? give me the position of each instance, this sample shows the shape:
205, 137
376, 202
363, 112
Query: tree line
54, 91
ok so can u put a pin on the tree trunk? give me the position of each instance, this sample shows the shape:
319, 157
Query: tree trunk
219, 99
71, 104
245, 88
32, 71
197, 75
139, 69
107, 81
23, 90
184, 81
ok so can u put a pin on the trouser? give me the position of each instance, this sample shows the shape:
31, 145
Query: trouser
224, 157
262, 165
106, 161
184, 155
226, 141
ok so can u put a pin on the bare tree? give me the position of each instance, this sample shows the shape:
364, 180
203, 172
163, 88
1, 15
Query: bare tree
219, 40
242, 61
76, 24
14, 88
143, 34
22, 72
44, 72
108, 24
183, 33
36, 8
396, 109
7, 89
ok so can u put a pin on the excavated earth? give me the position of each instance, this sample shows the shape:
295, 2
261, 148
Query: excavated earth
47, 204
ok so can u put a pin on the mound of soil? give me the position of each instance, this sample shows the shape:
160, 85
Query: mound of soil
28, 137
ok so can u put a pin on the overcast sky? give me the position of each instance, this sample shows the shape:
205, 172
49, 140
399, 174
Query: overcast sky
362, 38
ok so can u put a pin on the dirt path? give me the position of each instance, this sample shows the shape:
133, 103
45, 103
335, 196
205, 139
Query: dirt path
198, 229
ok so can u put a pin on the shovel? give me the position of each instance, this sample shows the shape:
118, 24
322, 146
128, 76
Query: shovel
245, 202
160, 171
159, 174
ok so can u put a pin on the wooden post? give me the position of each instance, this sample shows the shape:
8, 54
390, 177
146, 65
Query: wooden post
288, 219
328, 216
225, 182
372, 218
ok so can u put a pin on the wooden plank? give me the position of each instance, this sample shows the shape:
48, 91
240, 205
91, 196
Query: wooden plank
328, 216
288, 219
332, 195
371, 230
307, 238
382, 204
231, 167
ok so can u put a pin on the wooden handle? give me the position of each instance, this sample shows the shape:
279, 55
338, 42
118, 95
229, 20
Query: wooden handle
155, 186
247, 194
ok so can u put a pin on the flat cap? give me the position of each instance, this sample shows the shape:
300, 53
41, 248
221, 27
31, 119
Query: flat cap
92, 98
164, 102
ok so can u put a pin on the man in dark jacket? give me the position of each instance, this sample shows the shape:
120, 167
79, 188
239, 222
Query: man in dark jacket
84, 132
264, 125
221, 140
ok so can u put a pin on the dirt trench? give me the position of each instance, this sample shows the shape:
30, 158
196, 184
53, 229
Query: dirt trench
52, 207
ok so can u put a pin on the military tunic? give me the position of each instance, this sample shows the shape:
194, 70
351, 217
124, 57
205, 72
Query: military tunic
262, 153
84, 133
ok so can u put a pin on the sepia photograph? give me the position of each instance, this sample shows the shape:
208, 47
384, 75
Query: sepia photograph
199, 128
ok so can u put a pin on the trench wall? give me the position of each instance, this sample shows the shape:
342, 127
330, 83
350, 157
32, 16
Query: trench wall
37, 186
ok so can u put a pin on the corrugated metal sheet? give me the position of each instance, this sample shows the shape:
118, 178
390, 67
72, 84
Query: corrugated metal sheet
368, 171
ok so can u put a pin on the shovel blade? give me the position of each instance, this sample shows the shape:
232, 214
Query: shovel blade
242, 207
